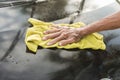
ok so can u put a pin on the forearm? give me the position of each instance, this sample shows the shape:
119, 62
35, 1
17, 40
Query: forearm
107, 23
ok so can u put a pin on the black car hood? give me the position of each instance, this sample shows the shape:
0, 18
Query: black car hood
49, 64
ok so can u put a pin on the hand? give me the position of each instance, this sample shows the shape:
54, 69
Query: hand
64, 35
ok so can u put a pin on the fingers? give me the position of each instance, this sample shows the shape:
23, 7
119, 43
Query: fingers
51, 36
61, 37
64, 35
51, 31
68, 41
56, 28
56, 34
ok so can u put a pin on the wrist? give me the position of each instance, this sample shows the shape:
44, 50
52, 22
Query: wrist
82, 31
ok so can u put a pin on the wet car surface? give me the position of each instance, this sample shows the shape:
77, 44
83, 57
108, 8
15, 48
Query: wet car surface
55, 64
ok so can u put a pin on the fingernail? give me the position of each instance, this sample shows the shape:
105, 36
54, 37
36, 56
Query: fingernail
44, 38
44, 32
60, 44
48, 44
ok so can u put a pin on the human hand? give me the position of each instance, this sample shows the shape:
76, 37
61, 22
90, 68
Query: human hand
64, 35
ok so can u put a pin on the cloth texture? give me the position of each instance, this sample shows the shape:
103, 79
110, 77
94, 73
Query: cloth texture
34, 36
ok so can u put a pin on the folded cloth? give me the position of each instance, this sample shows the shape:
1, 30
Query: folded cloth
34, 35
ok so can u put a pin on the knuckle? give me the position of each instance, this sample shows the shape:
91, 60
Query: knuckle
64, 30
73, 39
64, 34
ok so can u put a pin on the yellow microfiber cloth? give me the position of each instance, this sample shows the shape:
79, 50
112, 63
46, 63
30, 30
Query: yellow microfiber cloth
34, 36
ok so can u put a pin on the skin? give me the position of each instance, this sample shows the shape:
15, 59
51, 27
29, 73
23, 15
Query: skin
66, 35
